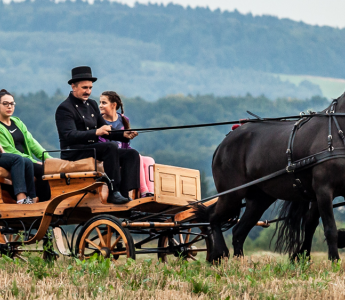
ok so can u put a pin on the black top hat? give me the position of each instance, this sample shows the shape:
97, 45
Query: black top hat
81, 74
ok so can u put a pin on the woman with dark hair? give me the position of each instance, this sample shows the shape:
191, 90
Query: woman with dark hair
16, 139
110, 102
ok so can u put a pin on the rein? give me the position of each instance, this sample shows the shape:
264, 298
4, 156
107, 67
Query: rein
242, 121
292, 167
144, 130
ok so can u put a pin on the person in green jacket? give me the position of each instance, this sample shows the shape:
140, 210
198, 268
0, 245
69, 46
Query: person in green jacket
15, 138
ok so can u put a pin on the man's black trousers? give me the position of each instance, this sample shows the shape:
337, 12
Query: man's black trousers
113, 158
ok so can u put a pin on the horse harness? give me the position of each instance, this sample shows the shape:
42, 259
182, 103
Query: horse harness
312, 160
293, 167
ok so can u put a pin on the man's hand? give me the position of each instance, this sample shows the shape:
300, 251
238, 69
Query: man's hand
130, 134
104, 130
2, 149
39, 163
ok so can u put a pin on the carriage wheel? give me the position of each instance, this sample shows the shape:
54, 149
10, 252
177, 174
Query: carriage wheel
6, 238
104, 235
14, 252
190, 244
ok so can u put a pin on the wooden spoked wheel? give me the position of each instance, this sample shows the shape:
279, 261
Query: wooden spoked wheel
104, 235
190, 244
6, 238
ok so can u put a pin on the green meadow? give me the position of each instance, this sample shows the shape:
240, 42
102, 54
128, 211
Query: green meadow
259, 276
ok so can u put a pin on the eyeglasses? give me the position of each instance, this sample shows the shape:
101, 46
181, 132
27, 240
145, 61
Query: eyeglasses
8, 104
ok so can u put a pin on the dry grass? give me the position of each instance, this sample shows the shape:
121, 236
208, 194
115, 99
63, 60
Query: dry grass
261, 276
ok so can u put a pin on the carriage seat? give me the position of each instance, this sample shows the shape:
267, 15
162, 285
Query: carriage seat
5, 176
55, 168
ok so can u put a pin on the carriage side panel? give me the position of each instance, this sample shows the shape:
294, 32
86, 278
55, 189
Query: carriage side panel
176, 186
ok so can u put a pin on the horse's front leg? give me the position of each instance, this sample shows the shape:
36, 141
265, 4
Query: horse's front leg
227, 207
324, 196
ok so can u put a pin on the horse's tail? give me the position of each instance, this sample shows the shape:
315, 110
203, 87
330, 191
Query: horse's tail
291, 231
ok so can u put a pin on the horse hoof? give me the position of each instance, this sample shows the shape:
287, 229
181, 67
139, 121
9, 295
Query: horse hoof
218, 257
296, 257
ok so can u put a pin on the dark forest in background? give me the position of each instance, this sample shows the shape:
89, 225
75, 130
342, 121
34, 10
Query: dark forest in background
197, 37
155, 50
190, 148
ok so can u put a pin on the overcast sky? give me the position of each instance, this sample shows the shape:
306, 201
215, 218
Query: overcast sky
316, 12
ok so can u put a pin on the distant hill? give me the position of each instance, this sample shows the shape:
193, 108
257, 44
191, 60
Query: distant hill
154, 50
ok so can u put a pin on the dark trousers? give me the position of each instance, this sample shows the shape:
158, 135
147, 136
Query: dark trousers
42, 186
22, 173
113, 158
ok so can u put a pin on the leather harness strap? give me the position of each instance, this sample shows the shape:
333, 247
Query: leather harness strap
312, 160
292, 167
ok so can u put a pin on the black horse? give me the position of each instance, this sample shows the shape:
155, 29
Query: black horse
257, 149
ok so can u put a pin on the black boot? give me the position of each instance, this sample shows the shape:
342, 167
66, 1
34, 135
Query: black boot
117, 198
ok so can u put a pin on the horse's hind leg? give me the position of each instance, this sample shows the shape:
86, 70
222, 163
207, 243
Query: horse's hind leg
310, 227
256, 204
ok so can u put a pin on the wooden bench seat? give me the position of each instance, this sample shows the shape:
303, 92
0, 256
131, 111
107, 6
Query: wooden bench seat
5, 176
59, 169
60, 166
66, 176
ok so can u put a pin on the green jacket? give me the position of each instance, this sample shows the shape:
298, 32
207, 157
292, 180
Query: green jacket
32, 147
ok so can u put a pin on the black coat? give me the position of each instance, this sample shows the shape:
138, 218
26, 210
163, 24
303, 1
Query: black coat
77, 123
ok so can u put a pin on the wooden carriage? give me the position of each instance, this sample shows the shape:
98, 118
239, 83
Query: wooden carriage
78, 197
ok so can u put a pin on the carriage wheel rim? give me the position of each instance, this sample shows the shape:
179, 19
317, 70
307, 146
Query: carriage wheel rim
105, 239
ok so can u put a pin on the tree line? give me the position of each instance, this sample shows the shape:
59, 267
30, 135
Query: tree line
190, 148
195, 36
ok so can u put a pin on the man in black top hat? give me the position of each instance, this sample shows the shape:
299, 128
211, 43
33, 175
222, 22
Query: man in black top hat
79, 125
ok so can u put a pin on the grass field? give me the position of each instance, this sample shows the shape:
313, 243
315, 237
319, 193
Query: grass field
260, 276
330, 87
